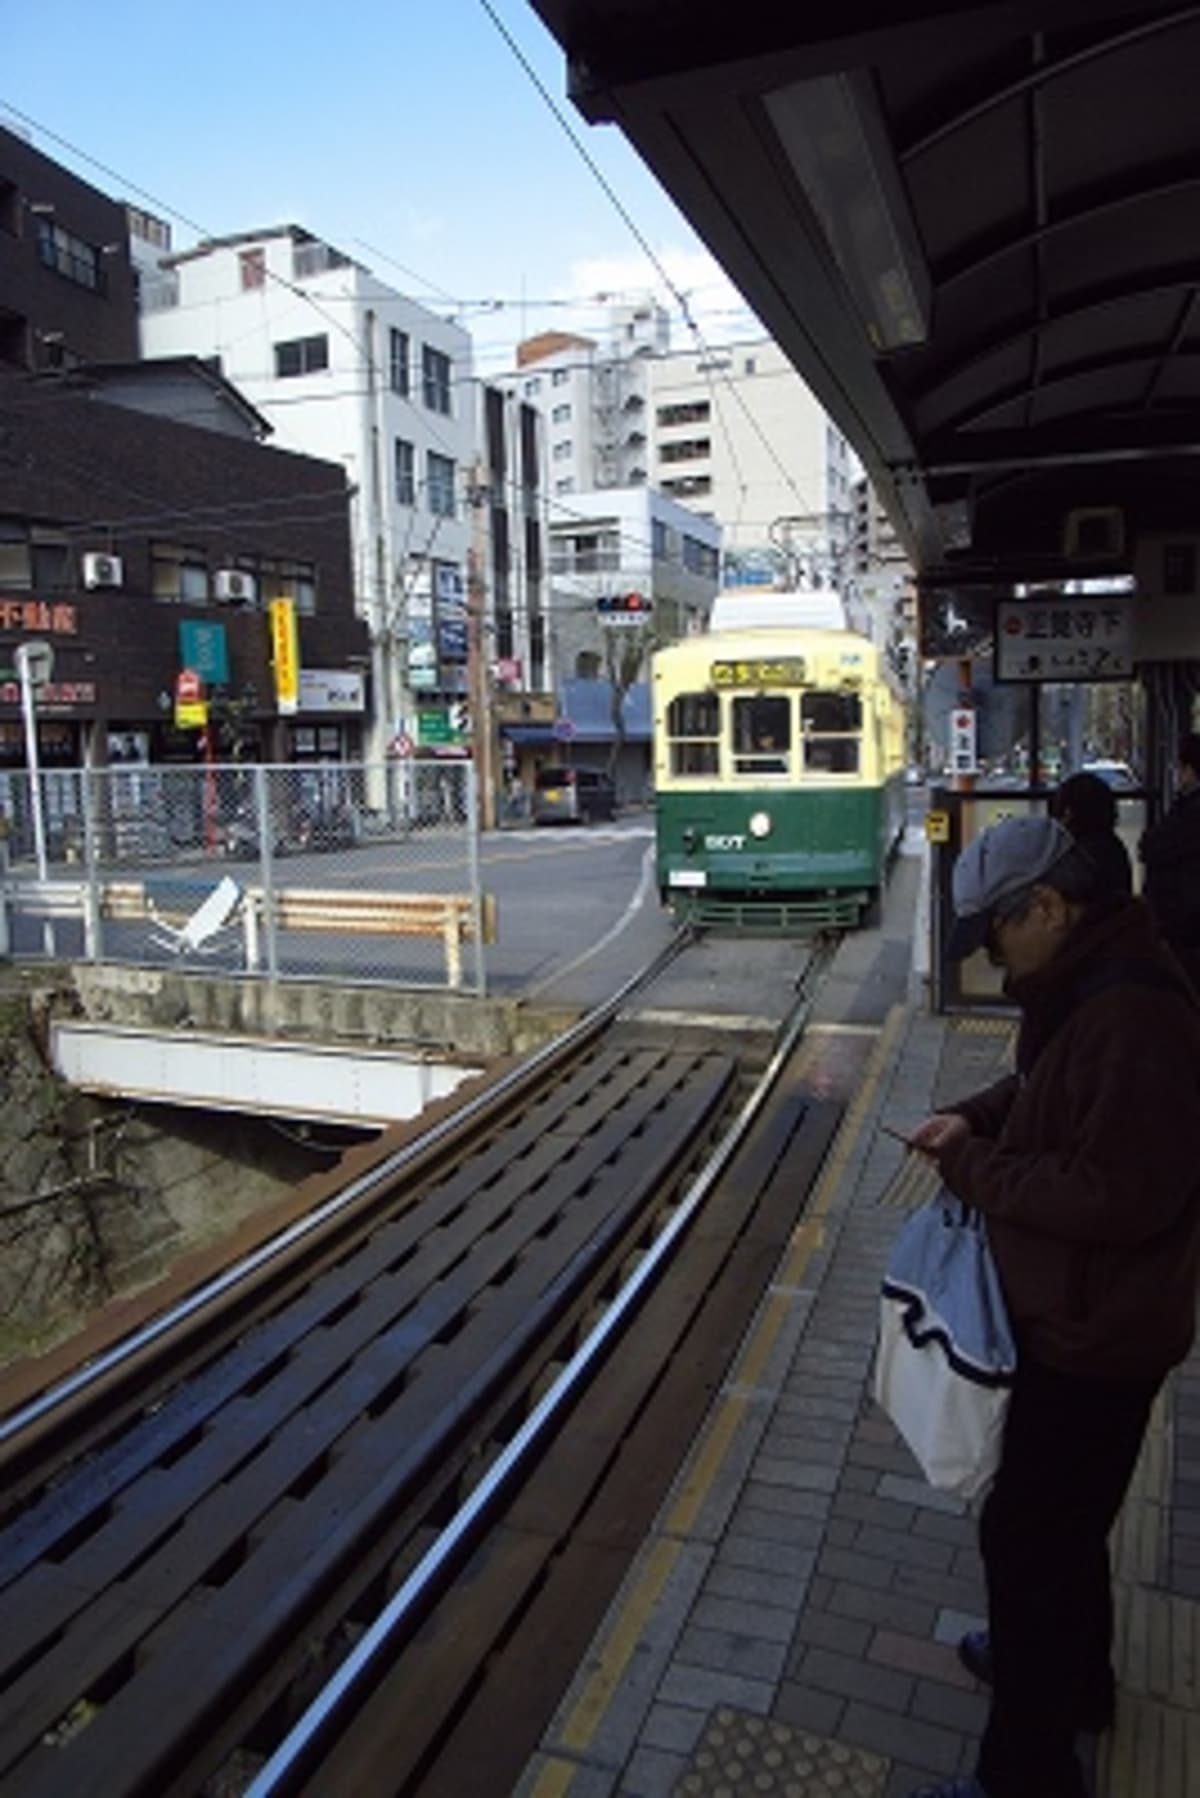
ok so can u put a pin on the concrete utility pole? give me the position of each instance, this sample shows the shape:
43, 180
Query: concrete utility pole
478, 676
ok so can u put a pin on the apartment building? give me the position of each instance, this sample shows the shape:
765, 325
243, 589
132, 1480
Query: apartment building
345, 367
593, 397
737, 436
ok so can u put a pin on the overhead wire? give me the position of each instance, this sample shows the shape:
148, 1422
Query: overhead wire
647, 249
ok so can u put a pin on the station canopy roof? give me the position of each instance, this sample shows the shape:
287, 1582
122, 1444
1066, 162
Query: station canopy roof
974, 229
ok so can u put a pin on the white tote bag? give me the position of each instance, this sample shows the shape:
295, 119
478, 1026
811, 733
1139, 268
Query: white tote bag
946, 1359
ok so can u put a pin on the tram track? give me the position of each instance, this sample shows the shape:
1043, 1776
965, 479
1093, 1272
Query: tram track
228, 1543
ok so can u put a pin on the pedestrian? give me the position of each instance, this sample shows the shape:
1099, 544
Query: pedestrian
1085, 1165
1171, 853
1087, 807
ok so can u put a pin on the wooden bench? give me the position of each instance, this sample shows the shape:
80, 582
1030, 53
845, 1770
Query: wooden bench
336, 910
350, 912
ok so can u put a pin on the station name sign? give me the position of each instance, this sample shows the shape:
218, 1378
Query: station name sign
1058, 639
779, 671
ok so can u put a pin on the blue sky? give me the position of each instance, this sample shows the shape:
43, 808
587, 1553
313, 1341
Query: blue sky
406, 125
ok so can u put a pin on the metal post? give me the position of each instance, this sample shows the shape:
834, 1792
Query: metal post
5, 937
266, 865
29, 718
91, 897
473, 869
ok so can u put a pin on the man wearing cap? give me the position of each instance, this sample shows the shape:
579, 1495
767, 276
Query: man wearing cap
1086, 1165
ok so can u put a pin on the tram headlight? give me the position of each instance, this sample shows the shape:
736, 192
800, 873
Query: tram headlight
760, 824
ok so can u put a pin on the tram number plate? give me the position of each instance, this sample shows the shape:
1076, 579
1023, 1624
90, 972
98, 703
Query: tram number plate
687, 877
937, 827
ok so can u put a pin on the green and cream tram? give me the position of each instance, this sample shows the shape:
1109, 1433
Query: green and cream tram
779, 770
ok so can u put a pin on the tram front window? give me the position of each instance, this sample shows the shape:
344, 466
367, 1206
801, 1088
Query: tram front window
762, 736
693, 733
832, 725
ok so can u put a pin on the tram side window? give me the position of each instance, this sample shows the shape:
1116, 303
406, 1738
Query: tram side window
762, 735
832, 725
693, 733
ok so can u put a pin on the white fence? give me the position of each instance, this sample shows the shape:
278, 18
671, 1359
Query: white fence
320, 870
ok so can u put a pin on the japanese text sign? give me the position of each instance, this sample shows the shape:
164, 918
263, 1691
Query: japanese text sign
285, 654
1060, 639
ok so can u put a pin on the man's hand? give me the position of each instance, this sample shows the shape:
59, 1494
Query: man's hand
939, 1133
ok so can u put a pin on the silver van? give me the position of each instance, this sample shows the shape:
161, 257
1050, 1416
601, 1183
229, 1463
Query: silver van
572, 796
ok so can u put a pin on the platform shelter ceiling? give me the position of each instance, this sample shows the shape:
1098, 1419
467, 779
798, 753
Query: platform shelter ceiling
974, 229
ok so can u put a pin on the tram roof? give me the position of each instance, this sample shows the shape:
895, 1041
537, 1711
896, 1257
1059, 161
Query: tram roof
1016, 332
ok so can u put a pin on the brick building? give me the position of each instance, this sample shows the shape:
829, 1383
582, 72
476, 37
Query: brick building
66, 281
138, 546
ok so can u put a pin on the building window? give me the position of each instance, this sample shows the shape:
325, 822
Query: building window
252, 267
700, 558
530, 421
281, 578
301, 356
32, 557
435, 377
587, 665
687, 449
398, 365
750, 365
494, 421
687, 486
406, 473
533, 387
563, 451
68, 255
690, 412
561, 415
561, 376
586, 552
505, 643
660, 540
565, 485
178, 576
440, 484
9, 207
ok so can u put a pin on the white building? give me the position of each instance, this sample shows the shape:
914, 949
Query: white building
737, 436
610, 547
593, 398
345, 367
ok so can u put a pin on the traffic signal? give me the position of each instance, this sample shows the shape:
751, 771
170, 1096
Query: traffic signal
624, 608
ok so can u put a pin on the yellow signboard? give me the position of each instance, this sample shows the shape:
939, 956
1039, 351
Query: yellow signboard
937, 827
191, 714
285, 654
777, 671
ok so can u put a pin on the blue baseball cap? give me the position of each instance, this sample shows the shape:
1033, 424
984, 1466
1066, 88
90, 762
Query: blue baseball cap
996, 870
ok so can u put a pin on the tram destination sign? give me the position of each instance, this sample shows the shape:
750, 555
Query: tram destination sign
761, 671
1060, 639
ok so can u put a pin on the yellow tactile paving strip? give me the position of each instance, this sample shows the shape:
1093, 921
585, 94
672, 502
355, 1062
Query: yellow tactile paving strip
740, 1754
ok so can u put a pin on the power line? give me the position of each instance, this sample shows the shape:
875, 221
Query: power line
623, 212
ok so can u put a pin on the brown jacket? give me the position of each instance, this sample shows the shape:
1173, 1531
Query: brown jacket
1086, 1163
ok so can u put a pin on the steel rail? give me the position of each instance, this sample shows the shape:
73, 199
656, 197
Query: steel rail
129, 1346
294, 1755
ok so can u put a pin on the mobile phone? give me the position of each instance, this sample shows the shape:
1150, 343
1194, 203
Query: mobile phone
899, 1135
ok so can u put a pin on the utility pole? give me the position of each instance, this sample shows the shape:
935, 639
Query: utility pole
478, 676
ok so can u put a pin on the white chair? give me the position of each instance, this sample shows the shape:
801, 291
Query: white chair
210, 920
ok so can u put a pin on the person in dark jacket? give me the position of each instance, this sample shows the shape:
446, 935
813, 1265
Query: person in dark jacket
1087, 807
1171, 853
1086, 1166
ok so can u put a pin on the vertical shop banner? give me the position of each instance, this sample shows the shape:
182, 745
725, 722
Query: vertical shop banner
285, 654
451, 614
422, 650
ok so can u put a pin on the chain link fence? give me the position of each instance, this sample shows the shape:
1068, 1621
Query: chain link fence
351, 870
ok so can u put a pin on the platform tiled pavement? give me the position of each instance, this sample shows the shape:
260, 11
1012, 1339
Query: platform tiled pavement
790, 1627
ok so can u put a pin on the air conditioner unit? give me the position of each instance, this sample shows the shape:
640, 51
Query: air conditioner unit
234, 586
1094, 534
100, 570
